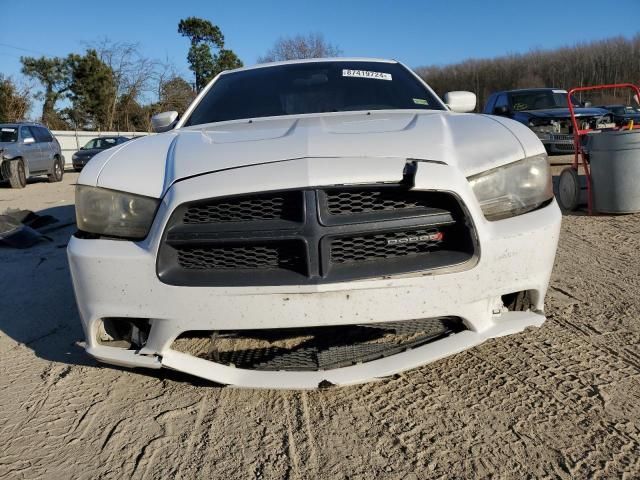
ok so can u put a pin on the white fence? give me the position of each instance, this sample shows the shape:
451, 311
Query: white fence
71, 141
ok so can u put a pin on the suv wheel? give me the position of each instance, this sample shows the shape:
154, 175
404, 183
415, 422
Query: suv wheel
58, 171
16, 173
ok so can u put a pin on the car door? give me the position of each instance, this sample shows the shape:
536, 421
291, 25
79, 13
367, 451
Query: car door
30, 150
47, 149
502, 105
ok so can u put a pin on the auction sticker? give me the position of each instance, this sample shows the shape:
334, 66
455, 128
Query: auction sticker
366, 74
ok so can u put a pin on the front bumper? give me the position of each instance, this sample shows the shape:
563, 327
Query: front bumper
558, 144
118, 279
79, 162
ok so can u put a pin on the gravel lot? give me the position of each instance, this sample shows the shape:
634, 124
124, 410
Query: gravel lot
562, 401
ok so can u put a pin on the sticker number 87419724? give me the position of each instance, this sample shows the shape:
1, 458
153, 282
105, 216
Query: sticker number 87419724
366, 74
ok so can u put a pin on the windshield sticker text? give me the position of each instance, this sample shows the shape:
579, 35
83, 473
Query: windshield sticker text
420, 101
366, 74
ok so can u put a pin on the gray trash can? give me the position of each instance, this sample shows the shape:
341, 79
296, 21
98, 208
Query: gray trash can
614, 158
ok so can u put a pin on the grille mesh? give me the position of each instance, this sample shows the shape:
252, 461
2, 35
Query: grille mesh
274, 206
285, 255
383, 245
316, 348
313, 236
560, 137
565, 147
346, 202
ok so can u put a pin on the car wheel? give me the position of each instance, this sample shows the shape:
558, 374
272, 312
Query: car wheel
58, 171
569, 189
17, 174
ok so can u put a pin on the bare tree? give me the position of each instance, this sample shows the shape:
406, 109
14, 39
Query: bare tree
176, 94
133, 78
312, 45
15, 100
613, 60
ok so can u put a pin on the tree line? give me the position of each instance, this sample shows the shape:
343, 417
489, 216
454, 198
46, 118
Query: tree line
614, 60
109, 85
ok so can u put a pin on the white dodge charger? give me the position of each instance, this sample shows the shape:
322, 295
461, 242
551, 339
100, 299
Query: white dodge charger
313, 223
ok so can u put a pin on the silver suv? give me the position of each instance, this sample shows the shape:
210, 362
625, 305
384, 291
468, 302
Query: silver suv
27, 150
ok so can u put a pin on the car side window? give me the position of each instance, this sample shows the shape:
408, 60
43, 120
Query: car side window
45, 134
501, 101
490, 104
38, 133
25, 132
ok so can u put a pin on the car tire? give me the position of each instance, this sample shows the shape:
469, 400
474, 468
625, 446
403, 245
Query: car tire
16, 173
58, 171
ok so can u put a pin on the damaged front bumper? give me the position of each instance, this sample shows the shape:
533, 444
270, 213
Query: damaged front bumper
560, 144
118, 279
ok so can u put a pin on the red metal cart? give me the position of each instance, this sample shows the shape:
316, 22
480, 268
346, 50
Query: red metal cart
569, 185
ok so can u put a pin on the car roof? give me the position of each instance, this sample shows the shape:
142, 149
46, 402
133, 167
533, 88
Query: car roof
311, 60
109, 136
21, 124
537, 89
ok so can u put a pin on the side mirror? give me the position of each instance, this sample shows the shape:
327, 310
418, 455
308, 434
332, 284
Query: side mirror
460, 101
29, 140
163, 122
501, 110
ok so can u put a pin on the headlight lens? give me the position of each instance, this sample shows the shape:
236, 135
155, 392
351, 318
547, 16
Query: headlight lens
114, 214
513, 189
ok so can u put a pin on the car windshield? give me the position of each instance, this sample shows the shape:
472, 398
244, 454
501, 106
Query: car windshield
539, 100
8, 134
630, 109
315, 87
100, 143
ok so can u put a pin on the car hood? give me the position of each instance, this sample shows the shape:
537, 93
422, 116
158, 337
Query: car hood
90, 152
471, 142
623, 115
564, 112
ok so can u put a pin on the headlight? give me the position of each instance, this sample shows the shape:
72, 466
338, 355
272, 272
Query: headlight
75, 156
114, 214
513, 189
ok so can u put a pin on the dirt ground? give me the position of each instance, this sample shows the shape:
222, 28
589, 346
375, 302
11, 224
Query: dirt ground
562, 401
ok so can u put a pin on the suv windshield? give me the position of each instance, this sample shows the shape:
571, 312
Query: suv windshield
8, 134
315, 87
100, 143
538, 100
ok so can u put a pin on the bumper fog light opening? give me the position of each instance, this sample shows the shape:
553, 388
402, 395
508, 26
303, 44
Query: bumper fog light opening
127, 333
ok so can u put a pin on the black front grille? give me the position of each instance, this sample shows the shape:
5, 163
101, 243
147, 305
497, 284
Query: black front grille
314, 236
387, 245
271, 206
348, 202
285, 255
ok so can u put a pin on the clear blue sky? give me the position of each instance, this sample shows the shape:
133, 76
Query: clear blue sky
415, 32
